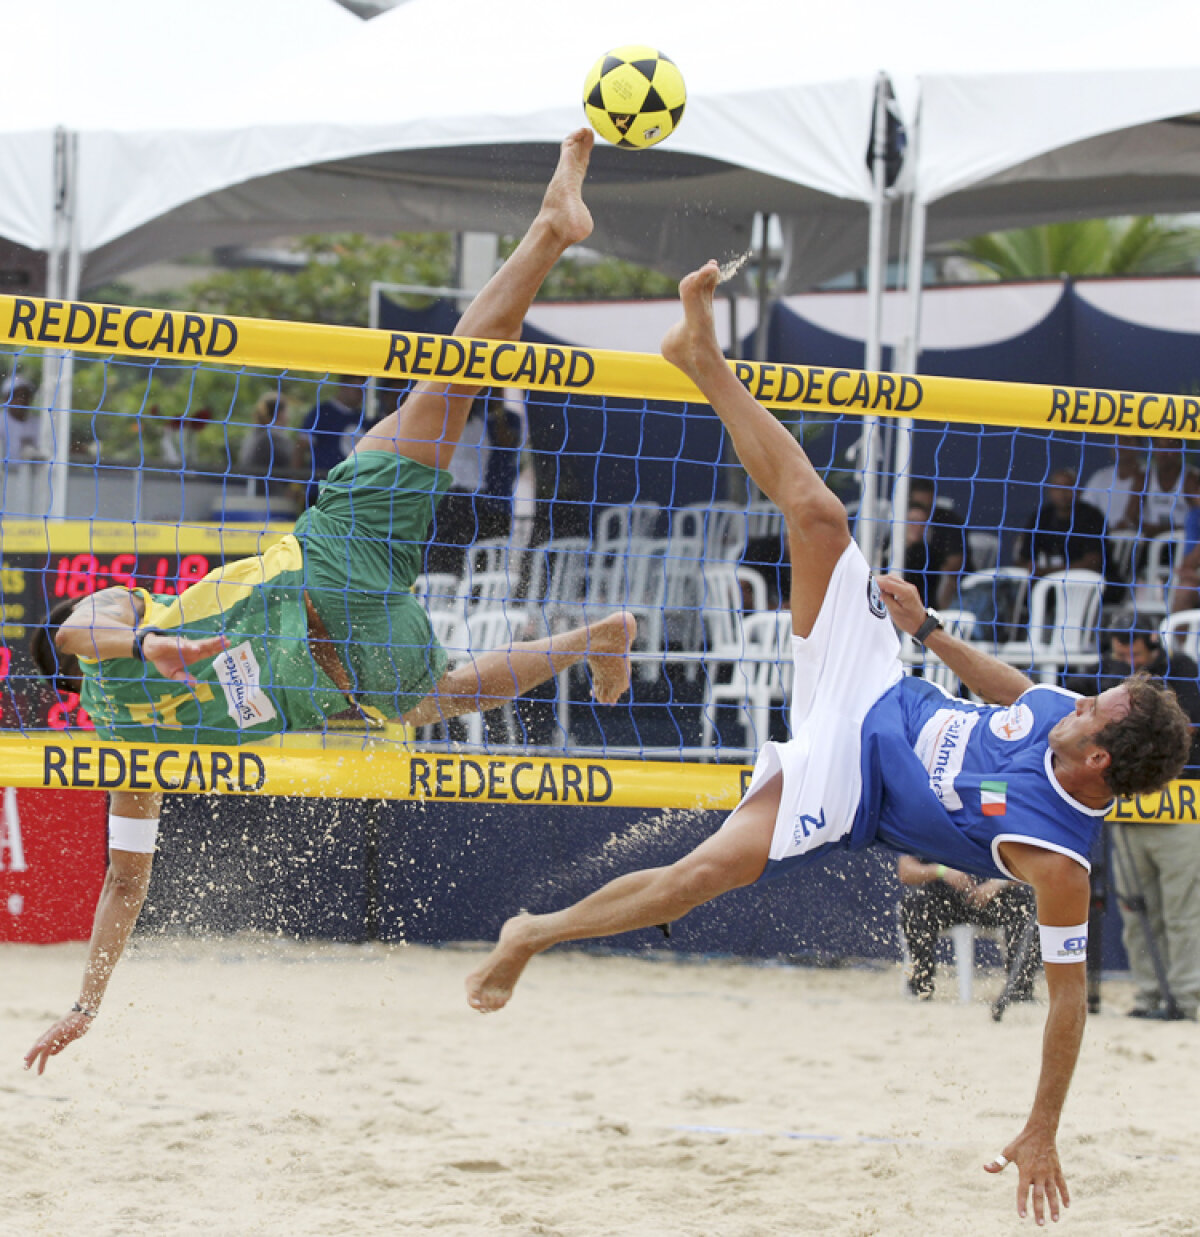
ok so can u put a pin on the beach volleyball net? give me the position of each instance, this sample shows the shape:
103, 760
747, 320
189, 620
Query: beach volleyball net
170, 445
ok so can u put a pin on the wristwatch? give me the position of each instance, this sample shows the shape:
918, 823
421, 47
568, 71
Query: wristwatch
932, 623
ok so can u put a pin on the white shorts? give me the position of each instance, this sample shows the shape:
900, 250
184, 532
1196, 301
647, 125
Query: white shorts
847, 662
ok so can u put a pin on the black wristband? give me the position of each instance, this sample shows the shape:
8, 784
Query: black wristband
931, 624
87, 1013
139, 637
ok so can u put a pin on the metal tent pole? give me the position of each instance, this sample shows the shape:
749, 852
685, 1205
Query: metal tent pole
870, 453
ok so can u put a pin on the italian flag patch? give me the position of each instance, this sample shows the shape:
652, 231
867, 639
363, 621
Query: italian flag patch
993, 798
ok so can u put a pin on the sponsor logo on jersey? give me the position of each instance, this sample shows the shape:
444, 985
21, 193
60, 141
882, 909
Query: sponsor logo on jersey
1012, 723
993, 798
941, 747
241, 681
875, 599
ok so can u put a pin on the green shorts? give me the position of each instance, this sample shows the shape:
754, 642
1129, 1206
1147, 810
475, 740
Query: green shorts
363, 549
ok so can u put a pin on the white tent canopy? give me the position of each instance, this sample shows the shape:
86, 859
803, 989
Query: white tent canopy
456, 108
238, 120
143, 85
1093, 110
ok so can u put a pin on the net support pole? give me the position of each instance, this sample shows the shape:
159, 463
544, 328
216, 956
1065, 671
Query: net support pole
62, 283
909, 363
867, 532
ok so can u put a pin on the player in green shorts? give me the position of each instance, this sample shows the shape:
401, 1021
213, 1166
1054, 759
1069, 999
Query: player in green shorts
323, 623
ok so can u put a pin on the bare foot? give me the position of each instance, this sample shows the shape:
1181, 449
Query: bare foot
563, 209
694, 340
490, 987
608, 656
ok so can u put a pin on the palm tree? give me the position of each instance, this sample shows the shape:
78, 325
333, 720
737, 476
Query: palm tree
1137, 245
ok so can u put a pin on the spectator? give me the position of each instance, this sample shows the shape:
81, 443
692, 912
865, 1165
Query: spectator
1116, 490
937, 553
1157, 866
1064, 532
1185, 591
1172, 488
266, 450
20, 428
936, 897
330, 428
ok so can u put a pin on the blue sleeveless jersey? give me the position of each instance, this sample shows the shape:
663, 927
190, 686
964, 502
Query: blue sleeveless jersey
949, 780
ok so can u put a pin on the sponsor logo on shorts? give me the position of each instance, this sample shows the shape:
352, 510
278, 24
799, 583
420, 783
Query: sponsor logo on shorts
241, 681
875, 599
1012, 723
806, 826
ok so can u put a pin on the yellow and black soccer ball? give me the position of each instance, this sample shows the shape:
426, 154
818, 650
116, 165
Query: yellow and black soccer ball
634, 96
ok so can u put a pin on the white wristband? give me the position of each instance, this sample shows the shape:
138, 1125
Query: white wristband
132, 833
1064, 944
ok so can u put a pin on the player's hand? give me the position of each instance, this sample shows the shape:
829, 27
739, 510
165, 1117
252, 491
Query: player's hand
172, 656
903, 602
960, 881
65, 1031
1036, 1159
984, 892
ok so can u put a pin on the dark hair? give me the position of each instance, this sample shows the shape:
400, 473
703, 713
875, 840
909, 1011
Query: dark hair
62, 669
1127, 625
1149, 745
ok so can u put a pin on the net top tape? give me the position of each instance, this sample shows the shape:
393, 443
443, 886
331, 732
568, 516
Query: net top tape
74, 762
159, 334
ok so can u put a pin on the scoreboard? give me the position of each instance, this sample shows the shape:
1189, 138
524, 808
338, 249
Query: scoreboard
43, 562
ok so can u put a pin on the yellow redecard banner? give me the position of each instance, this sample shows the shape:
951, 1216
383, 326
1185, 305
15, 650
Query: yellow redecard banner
365, 771
161, 334
357, 770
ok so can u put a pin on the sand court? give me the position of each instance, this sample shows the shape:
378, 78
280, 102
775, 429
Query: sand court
251, 1085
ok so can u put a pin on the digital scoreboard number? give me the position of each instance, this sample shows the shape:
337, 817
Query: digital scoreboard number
43, 563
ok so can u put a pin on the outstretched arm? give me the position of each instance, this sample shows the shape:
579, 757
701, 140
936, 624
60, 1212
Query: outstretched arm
121, 899
986, 676
1063, 894
105, 625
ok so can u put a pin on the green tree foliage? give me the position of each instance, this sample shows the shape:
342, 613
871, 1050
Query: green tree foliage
138, 414
1141, 245
333, 285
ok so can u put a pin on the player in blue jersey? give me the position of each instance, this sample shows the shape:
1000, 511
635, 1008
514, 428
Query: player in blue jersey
1016, 790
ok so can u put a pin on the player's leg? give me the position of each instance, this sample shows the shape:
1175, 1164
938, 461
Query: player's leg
732, 857
428, 425
921, 914
818, 531
492, 679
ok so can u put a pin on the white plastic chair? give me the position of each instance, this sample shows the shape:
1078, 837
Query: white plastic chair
1064, 611
962, 940
563, 565
486, 588
485, 631
984, 547
1163, 554
437, 589
761, 654
1181, 633
996, 597
635, 579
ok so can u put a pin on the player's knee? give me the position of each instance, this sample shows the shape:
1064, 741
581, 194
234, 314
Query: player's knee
696, 880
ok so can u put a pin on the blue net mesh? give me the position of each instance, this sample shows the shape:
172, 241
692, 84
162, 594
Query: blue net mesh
558, 513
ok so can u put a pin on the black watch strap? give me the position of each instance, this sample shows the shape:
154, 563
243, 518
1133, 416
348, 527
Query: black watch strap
931, 624
139, 638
